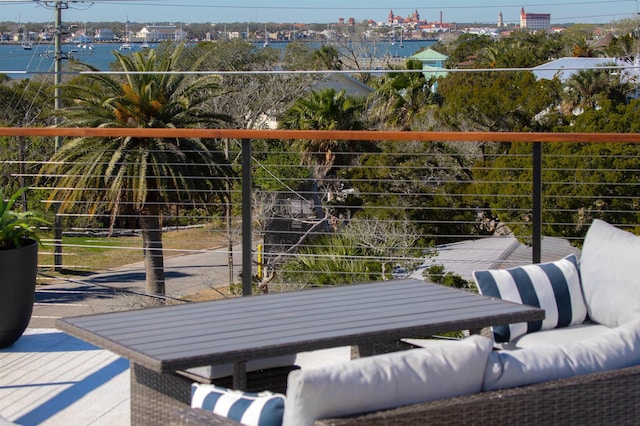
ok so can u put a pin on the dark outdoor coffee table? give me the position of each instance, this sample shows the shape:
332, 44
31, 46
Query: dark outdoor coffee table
161, 341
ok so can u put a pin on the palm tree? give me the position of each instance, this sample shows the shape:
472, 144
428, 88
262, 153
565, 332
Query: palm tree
403, 99
582, 48
323, 110
327, 58
584, 87
138, 176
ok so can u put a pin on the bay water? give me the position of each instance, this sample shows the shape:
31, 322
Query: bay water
17, 62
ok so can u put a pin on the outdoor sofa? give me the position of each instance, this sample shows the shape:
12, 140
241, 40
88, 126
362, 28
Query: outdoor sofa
581, 365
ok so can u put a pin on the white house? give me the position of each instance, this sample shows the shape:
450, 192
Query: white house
160, 33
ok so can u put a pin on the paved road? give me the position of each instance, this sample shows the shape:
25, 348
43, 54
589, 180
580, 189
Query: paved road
118, 289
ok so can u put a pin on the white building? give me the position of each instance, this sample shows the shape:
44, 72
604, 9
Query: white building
159, 33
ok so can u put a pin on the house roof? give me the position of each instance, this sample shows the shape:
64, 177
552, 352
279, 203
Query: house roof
350, 85
564, 68
429, 55
462, 258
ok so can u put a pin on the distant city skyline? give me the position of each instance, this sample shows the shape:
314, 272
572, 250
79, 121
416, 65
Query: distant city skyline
327, 11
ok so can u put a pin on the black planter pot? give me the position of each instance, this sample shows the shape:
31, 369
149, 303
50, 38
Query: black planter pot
18, 269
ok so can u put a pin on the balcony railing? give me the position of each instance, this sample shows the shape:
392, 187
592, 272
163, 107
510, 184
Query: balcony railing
399, 195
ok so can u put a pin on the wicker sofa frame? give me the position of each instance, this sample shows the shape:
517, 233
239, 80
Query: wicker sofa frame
605, 398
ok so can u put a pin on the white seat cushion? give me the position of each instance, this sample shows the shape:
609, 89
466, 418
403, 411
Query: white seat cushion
617, 348
610, 270
451, 368
557, 336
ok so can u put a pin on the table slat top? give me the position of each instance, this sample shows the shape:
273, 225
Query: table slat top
184, 336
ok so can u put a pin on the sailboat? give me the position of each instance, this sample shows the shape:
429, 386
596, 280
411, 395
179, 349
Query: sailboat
85, 43
126, 45
145, 45
266, 37
26, 43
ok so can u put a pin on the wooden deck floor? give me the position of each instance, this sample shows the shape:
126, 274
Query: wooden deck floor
51, 378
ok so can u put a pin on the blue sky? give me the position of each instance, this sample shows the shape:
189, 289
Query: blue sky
326, 11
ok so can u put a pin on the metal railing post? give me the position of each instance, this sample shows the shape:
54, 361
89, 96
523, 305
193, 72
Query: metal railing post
536, 237
247, 258
57, 223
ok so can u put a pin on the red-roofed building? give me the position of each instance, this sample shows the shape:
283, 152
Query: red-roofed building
397, 19
535, 21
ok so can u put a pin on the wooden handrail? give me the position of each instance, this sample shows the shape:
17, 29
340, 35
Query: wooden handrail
354, 135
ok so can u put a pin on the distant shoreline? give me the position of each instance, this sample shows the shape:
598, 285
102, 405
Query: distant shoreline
257, 41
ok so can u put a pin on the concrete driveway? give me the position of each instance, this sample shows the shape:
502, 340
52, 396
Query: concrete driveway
122, 288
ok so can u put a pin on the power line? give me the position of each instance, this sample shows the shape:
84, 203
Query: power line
578, 5
362, 8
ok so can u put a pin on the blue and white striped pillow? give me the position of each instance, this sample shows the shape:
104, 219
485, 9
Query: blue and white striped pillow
554, 287
251, 409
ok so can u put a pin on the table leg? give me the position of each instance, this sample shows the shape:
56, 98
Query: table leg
240, 375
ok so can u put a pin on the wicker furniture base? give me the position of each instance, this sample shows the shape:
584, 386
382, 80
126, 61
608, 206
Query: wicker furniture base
607, 398
378, 347
155, 396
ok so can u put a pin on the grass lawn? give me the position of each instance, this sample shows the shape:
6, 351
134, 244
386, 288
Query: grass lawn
90, 254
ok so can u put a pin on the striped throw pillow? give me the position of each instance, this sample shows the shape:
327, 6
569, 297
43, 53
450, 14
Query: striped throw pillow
251, 409
554, 287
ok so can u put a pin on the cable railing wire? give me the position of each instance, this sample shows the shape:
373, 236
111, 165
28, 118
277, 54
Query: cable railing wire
393, 255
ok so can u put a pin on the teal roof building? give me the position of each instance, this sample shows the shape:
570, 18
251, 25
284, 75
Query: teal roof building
433, 63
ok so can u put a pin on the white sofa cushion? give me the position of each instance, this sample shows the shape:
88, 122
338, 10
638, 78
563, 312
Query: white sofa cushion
380, 382
557, 336
617, 348
610, 269
251, 409
552, 286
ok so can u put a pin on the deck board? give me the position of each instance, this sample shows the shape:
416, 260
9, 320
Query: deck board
50, 378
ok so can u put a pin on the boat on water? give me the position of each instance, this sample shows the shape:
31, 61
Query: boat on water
127, 44
266, 37
26, 43
145, 44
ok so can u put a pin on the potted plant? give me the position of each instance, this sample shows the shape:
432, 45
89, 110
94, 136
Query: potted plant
18, 263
